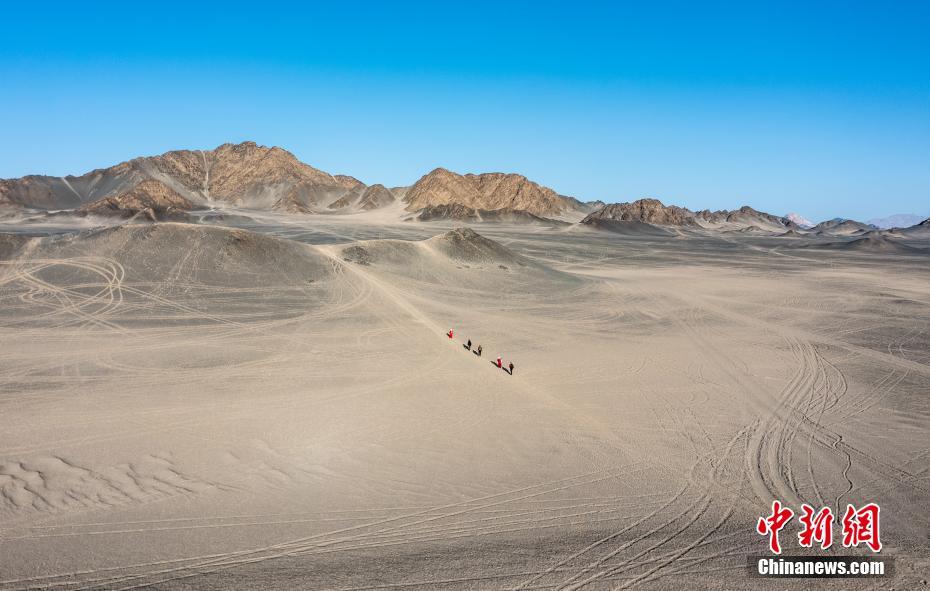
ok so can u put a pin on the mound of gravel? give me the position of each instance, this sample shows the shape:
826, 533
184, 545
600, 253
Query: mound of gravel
391, 252
464, 244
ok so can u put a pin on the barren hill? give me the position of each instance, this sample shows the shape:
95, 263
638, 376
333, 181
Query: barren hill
364, 198
654, 212
243, 174
650, 211
175, 252
488, 191
467, 245
746, 215
456, 211
842, 227
151, 199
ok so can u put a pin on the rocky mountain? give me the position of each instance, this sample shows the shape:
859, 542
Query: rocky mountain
899, 220
744, 217
654, 212
365, 198
650, 211
455, 211
448, 211
375, 197
251, 176
591, 206
348, 200
245, 174
257, 177
748, 215
150, 199
488, 191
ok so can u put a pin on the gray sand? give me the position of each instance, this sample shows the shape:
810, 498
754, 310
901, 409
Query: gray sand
193, 407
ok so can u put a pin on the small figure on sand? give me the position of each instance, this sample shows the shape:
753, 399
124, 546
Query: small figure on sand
467, 345
499, 365
450, 334
511, 368
478, 351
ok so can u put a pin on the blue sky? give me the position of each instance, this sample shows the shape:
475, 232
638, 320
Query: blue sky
819, 108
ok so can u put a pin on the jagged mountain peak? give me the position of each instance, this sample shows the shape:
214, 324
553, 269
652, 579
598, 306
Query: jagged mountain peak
241, 174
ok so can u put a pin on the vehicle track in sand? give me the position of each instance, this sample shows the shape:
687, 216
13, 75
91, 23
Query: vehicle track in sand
71, 301
632, 556
820, 434
686, 517
791, 424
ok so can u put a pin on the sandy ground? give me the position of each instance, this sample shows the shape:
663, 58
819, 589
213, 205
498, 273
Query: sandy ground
192, 408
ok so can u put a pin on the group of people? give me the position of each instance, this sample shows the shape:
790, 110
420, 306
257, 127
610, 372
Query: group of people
477, 351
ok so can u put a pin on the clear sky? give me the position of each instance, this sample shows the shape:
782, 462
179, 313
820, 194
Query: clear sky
819, 108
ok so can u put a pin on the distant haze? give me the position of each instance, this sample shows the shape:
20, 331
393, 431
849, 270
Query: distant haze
901, 220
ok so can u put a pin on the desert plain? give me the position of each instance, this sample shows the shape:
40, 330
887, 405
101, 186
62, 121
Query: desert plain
273, 403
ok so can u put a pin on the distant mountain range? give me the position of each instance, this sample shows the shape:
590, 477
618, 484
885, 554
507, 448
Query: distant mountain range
842, 227
654, 212
245, 175
800, 220
899, 220
256, 177
250, 176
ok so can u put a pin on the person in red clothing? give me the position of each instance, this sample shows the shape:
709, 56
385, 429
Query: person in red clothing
450, 333
499, 365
